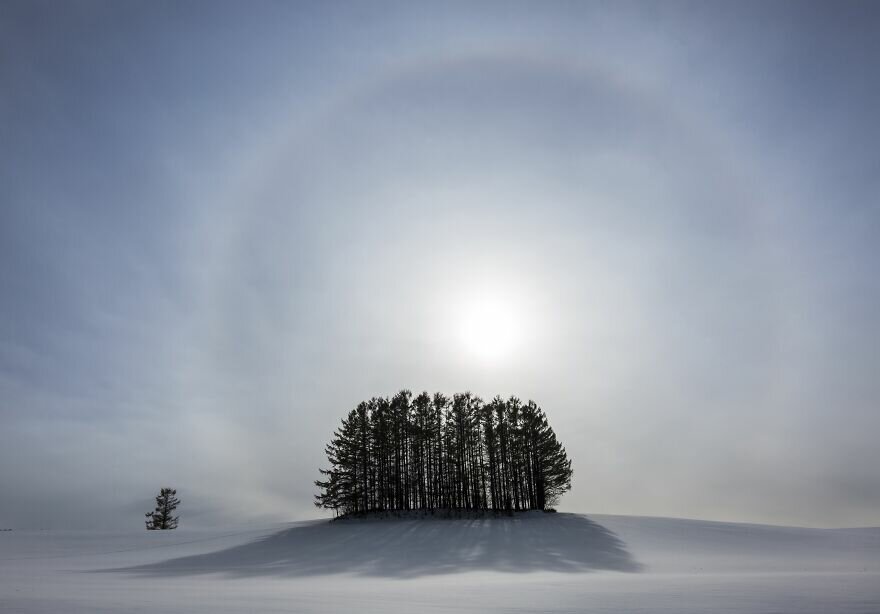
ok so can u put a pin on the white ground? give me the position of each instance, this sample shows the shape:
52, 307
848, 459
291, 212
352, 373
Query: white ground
532, 563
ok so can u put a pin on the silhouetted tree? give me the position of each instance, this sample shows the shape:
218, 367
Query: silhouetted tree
161, 518
435, 452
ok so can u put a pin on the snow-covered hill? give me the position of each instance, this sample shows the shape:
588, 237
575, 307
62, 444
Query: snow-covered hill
531, 562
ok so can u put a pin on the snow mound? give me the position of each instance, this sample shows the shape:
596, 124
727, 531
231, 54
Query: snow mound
412, 544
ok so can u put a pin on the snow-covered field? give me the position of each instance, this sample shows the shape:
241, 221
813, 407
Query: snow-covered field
531, 563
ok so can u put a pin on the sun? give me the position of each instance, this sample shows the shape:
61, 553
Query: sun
490, 329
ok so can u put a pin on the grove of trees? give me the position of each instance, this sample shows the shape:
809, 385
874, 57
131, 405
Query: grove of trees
436, 452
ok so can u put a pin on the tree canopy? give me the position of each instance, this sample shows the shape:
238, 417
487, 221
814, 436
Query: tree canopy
436, 452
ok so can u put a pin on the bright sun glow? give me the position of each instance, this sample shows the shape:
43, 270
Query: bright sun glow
490, 329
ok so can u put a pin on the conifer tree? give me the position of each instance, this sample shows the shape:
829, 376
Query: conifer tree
162, 518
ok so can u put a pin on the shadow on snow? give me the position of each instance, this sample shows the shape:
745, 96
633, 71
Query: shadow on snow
408, 548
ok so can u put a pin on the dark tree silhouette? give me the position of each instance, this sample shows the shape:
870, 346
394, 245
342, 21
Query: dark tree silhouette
435, 452
161, 518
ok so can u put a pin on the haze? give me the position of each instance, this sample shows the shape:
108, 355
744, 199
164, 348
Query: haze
223, 225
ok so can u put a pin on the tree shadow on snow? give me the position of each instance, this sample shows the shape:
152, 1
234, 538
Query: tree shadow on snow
412, 548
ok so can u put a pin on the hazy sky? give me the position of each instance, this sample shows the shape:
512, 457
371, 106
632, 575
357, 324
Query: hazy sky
223, 225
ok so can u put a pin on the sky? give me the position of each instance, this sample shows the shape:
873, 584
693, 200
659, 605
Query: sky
222, 225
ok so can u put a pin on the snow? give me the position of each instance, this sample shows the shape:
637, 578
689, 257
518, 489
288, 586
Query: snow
530, 563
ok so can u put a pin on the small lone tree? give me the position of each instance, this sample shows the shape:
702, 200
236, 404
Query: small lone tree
161, 519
